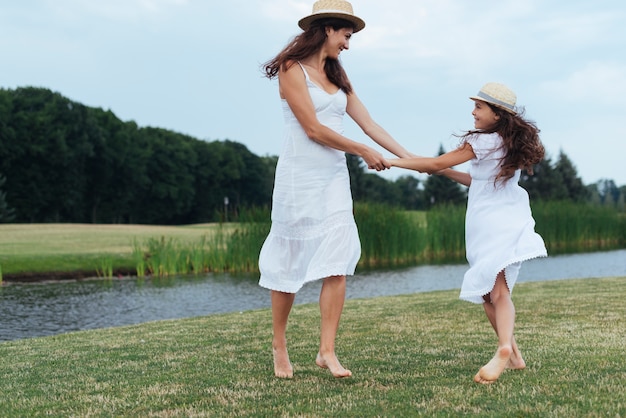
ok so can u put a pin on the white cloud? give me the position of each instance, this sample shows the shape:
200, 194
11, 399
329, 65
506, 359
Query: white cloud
597, 83
117, 10
289, 11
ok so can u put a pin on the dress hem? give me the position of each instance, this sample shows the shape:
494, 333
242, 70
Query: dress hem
477, 296
295, 287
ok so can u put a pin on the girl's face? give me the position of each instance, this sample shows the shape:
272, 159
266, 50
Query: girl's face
484, 116
337, 41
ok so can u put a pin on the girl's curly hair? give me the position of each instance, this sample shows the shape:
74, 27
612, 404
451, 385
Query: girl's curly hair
521, 142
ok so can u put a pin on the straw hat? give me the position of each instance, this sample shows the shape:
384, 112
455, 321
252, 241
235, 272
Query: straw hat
498, 95
332, 8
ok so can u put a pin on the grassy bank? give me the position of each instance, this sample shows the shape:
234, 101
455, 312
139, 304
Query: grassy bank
414, 355
389, 238
69, 247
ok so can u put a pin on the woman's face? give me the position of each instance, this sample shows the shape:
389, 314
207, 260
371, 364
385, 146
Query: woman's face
337, 41
484, 116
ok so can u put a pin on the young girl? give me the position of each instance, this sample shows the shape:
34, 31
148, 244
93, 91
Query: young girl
499, 227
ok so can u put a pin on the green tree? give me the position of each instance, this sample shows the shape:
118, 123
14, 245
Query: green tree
117, 172
576, 190
168, 195
356, 169
245, 182
369, 186
377, 189
209, 180
545, 184
71, 163
411, 196
607, 191
440, 190
45, 152
7, 214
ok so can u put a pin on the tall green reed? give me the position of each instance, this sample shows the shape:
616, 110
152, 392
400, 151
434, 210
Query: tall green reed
139, 258
163, 256
106, 267
445, 233
230, 248
390, 237
568, 227
393, 237
196, 256
244, 246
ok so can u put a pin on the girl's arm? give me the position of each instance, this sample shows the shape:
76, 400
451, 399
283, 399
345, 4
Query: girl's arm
432, 165
359, 113
293, 88
460, 177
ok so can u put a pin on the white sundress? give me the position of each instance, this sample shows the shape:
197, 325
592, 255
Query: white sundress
499, 227
313, 233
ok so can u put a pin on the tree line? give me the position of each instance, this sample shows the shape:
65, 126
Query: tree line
61, 161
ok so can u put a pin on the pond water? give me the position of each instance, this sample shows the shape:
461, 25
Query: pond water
34, 310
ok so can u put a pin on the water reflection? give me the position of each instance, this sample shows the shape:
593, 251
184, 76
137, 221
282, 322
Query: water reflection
31, 310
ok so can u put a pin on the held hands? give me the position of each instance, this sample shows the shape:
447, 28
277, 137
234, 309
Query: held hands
375, 160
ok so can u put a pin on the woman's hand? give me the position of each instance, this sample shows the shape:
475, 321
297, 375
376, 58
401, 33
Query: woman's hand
374, 159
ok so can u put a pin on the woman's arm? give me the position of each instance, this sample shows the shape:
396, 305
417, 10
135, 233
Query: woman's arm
358, 112
293, 88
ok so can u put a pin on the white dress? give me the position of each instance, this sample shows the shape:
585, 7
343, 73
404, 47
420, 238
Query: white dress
499, 227
313, 233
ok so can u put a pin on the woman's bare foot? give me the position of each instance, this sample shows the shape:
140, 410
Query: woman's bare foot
331, 363
282, 365
491, 371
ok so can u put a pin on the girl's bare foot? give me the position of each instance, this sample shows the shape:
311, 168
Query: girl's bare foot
491, 371
282, 365
331, 363
516, 361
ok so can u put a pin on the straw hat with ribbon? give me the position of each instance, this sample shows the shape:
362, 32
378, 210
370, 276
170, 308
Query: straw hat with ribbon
340, 9
498, 95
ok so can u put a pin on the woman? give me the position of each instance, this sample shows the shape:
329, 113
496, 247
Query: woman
313, 234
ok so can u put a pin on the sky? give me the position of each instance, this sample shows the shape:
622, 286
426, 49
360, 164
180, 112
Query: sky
194, 67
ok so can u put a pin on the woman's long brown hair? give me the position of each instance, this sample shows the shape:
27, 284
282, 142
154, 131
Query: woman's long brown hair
306, 44
521, 142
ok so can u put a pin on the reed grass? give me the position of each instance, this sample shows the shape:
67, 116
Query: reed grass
232, 250
139, 259
446, 234
570, 227
390, 237
106, 267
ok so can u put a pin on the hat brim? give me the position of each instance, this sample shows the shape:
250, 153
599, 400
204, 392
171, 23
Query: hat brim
498, 105
358, 23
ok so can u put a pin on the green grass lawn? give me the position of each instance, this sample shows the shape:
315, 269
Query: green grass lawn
410, 355
69, 247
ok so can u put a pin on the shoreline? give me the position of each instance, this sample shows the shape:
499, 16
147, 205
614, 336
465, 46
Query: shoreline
56, 276
61, 276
